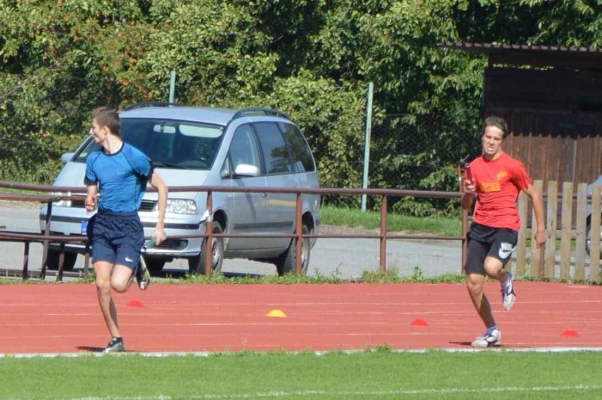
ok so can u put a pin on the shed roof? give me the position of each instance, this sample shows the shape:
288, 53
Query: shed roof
583, 58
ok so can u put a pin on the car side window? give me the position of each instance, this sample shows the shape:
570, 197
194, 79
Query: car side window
300, 152
244, 149
275, 150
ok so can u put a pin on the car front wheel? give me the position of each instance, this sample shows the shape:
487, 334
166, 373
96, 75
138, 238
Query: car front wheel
196, 264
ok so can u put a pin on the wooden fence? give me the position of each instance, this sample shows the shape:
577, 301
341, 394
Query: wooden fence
564, 255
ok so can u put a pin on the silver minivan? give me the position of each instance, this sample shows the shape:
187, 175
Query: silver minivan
194, 146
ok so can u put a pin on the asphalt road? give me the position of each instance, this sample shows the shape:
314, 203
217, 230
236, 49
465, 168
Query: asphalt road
345, 258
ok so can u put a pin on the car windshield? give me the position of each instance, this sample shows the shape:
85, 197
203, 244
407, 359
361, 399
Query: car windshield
169, 144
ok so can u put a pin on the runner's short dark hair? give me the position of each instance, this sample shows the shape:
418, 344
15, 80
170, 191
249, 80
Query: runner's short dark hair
498, 122
108, 117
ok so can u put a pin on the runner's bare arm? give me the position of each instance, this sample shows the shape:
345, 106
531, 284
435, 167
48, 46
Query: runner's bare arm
466, 201
91, 196
157, 182
469, 193
540, 235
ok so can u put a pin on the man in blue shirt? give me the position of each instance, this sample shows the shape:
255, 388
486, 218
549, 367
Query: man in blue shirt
119, 173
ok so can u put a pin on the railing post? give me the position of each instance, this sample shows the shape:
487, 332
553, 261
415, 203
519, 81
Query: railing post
25, 273
383, 234
464, 239
59, 274
299, 234
209, 237
46, 243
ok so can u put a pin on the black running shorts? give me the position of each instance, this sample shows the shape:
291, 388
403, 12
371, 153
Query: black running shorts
484, 241
116, 238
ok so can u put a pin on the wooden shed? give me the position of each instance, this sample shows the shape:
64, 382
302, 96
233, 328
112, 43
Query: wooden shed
552, 100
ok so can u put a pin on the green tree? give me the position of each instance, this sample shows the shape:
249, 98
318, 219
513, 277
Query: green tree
311, 59
536, 22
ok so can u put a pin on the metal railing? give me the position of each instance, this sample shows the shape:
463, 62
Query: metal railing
383, 235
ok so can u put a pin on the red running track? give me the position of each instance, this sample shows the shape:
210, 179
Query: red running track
320, 317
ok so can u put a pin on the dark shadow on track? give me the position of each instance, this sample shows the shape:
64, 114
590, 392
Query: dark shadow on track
167, 273
469, 344
90, 349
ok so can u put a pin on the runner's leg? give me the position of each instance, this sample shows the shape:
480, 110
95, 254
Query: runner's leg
102, 270
122, 278
474, 284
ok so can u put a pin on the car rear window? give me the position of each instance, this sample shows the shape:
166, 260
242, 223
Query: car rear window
275, 150
300, 152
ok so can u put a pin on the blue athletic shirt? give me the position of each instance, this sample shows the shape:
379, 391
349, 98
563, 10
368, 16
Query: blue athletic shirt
121, 176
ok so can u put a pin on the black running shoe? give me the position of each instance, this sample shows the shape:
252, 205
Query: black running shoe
142, 275
115, 346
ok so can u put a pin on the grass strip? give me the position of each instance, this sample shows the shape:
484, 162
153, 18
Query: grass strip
377, 374
355, 218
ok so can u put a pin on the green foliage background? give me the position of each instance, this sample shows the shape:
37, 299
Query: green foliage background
310, 58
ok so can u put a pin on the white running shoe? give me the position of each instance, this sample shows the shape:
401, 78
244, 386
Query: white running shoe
492, 337
508, 293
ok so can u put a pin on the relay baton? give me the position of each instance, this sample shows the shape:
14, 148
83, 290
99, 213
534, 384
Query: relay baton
468, 173
462, 165
468, 177
151, 243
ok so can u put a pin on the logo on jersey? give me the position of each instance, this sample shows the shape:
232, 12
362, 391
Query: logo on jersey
493, 186
490, 187
505, 250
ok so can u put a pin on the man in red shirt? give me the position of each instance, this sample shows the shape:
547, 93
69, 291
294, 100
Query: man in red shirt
495, 180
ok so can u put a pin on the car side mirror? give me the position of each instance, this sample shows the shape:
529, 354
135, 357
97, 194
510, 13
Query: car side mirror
65, 158
246, 170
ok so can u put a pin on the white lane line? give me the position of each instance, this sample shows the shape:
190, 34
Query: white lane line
318, 353
372, 394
